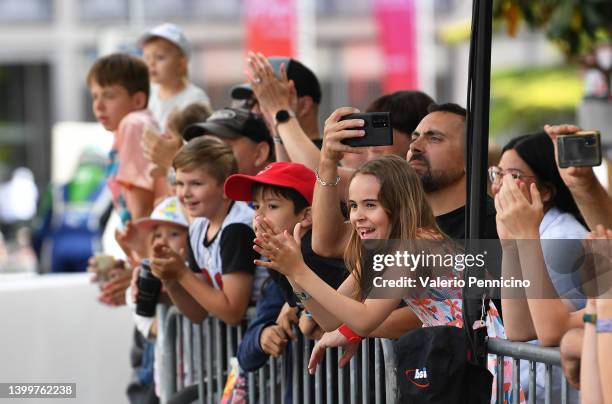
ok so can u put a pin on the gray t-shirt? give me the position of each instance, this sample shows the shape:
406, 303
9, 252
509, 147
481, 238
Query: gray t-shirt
162, 109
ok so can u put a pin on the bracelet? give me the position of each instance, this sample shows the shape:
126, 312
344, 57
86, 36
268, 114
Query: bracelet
277, 140
324, 183
351, 335
604, 325
589, 318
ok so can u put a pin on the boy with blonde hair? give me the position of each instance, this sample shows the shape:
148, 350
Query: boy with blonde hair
221, 237
166, 53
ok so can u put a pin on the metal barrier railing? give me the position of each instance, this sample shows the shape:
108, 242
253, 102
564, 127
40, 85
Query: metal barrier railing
534, 354
214, 344
207, 355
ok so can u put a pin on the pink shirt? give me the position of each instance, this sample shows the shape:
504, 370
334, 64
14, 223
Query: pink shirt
128, 166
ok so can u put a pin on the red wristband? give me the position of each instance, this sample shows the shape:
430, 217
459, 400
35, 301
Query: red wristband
352, 337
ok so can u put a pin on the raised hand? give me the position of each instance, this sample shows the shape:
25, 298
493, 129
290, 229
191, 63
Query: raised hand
273, 94
574, 177
160, 149
337, 130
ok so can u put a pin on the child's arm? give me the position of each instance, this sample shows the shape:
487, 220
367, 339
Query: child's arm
139, 202
169, 266
397, 324
229, 304
285, 256
330, 234
251, 352
185, 302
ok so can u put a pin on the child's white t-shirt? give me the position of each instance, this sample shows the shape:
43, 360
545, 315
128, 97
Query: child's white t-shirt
162, 109
233, 241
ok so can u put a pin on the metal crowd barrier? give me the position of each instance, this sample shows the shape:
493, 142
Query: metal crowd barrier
534, 354
369, 378
203, 357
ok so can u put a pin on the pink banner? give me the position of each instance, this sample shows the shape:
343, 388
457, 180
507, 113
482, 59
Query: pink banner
271, 27
396, 20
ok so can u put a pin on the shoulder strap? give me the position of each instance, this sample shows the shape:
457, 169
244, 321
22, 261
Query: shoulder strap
475, 309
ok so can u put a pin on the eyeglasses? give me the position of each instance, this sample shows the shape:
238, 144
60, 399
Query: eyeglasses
496, 174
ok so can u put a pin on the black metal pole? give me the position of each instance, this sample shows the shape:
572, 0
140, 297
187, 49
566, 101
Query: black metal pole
476, 136
477, 128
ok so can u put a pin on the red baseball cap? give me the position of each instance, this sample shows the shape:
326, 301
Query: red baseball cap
298, 177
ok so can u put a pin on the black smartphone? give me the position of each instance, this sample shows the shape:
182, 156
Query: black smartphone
378, 131
581, 149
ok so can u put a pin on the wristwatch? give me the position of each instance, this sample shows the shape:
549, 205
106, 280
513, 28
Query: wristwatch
301, 295
283, 116
589, 318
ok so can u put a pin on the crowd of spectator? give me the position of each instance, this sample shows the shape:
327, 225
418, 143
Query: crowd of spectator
254, 205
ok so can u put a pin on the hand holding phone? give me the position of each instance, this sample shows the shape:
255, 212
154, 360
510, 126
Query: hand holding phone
377, 127
581, 149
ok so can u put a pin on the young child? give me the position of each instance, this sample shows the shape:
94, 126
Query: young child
221, 237
168, 227
281, 193
119, 86
166, 53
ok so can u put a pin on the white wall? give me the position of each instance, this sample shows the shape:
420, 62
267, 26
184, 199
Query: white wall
54, 330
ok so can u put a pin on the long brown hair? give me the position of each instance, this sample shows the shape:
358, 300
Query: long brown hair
402, 197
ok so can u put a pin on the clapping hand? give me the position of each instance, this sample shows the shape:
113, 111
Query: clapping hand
282, 250
167, 264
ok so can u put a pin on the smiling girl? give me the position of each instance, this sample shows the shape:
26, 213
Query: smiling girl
386, 201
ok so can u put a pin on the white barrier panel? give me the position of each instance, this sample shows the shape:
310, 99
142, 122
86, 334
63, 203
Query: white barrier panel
54, 330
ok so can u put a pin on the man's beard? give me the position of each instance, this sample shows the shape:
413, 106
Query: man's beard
435, 180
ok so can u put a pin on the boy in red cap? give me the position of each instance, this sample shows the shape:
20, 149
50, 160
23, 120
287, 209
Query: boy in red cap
282, 193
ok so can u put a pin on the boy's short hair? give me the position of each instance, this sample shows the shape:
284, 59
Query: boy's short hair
194, 113
299, 202
207, 153
125, 70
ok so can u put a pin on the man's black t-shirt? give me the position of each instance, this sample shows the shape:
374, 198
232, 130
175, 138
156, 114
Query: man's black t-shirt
453, 223
330, 270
